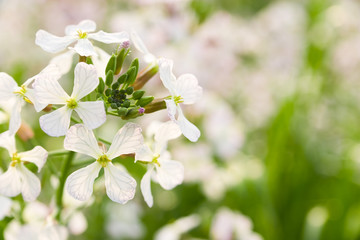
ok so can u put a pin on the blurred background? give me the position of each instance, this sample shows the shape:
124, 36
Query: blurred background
279, 155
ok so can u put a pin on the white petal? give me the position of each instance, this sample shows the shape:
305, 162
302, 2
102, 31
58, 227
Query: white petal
56, 123
100, 62
120, 186
50, 72
189, 130
51, 43
105, 37
7, 87
63, 61
15, 118
84, 26
85, 81
30, 184
127, 140
37, 155
171, 108
7, 141
92, 113
10, 182
188, 88
80, 183
53, 232
31, 95
166, 75
170, 174
49, 92
82, 140
145, 187
144, 153
84, 48
167, 131
138, 43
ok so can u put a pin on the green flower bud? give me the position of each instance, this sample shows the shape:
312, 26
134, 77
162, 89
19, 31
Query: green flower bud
111, 64
120, 60
142, 102
116, 85
122, 111
109, 78
108, 92
129, 90
114, 106
122, 78
101, 86
126, 104
138, 94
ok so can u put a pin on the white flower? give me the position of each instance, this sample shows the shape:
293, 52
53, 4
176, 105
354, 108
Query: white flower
184, 89
120, 186
139, 45
18, 179
169, 173
81, 34
57, 122
14, 97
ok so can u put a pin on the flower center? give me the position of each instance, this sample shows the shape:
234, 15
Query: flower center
15, 159
71, 103
177, 99
103, 160
82, 35
21, 91
155, 159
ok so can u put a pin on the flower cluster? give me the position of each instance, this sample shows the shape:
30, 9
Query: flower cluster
103, 85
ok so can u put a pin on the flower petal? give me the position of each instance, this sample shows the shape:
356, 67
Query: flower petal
84, 26
127, 140
145, 187
7, 87
30, 184
171, 108
15, 118
80, 183
10, 182
49, 92
138, 43
105, 37
167, 131
120, 186
170, 173
51, 43
167, 77
31, 95
82, 140
86, 80
5, 206
37, 155
189, 130
7, 141
100, 62
84, 48
144, 153
92, 113
63, 61
188, 88
56, 123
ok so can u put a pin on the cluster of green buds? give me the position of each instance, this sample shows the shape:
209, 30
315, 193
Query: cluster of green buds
120, 89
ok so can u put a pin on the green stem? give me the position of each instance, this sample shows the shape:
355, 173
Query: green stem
64, 173
57, 153
104, 141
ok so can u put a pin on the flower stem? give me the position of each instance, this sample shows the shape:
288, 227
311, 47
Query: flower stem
64, 173
57, 153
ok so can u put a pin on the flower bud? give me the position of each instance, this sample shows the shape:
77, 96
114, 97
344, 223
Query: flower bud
142, 102
109, 78
129, 90
120, 60
101, 86
111, 66
138, 94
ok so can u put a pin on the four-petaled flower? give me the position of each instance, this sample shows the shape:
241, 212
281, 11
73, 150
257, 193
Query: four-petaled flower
168, 173
18, 179
120, 186
184, 89
92, 113
15, 96
81, 34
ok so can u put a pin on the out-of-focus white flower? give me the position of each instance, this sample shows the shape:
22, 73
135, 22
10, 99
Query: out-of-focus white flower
14, 97
124, 221
79, 33
18, 179
91, 113
174, 230
120, 186
229, 225
5, 206
184, 89
169, 173
139, 45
